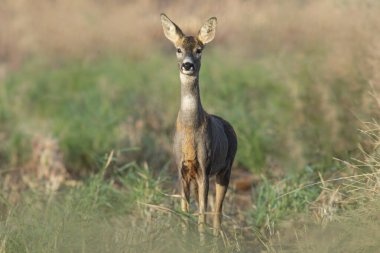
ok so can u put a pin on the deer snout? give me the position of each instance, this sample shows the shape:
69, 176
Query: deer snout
187, 66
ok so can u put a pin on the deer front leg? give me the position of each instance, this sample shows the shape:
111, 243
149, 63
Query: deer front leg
203, 186
185, 200
185, 194
203, 183
202, 179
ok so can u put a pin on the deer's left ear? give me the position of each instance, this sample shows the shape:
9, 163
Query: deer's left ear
207, 32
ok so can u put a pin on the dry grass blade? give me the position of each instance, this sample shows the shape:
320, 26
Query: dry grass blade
165, 210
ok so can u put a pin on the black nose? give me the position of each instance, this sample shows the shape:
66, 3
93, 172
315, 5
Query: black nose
187, 65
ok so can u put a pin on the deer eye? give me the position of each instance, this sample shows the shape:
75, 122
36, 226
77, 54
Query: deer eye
198, 51
179, 50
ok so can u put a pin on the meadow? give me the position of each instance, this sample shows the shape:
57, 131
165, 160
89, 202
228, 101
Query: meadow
89, 94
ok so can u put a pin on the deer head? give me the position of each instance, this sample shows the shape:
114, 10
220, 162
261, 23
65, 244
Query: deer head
189, 48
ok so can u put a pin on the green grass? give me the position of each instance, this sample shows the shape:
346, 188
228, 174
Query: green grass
91, 107
81, 218
288, 122
295, 90
97, 216
129, 208
277, 200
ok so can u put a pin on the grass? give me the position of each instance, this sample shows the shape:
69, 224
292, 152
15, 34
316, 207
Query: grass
296, 97
278, 199
91, 107
80, 101
79, 218
129, 208
127, 212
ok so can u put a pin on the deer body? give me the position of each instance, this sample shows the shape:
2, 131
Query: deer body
197, 131
204, 144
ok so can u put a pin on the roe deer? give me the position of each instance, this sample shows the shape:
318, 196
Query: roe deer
204, 144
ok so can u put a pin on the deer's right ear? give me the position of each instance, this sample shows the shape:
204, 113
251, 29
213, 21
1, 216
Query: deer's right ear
171, 30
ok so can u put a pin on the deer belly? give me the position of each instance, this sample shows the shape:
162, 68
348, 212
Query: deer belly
219, 148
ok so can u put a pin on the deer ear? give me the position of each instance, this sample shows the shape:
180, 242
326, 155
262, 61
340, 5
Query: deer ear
207, 32
171, 30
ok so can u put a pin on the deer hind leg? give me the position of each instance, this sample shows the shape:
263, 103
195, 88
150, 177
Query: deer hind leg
221, 185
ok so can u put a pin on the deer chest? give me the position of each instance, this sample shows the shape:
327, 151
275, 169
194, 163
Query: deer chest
188, 145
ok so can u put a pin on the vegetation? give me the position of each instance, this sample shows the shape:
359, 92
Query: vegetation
87, 115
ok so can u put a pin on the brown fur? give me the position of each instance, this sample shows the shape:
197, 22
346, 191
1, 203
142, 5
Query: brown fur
190, 164
204, 145
189, 43
188, 145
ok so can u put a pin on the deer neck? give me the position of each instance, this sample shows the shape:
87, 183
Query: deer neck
191, 111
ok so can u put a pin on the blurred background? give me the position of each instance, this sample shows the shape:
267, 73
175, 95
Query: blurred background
292, 77
81, 78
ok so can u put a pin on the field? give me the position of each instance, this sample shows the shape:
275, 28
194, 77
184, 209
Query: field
89, 93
